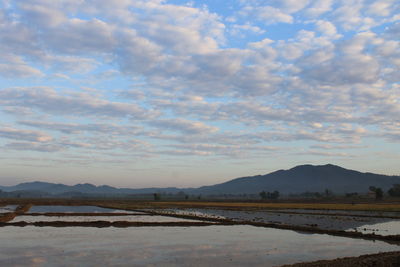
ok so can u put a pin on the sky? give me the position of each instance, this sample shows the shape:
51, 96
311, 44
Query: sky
134, 93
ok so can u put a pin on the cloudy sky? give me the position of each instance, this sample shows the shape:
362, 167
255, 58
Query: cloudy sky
187, 93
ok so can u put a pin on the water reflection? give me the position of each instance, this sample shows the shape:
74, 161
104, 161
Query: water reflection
386, 228
173, 246
129, 218
330, 222
83, 209
8, 208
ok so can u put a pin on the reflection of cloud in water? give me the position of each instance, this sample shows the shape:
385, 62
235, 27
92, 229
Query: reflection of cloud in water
38, 260
212, 245
385, 228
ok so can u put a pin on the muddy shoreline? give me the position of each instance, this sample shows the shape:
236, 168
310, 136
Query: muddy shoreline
384, 259
102, 224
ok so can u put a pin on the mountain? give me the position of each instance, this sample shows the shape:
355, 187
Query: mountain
56, 189
300, 179
304, 178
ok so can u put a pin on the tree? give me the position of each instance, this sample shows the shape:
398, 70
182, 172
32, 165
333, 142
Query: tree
274, 195
394, 191
378, 192
156, 196
269, 195
372, 188
328, 193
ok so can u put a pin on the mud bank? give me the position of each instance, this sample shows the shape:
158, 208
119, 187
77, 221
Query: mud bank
386, 259
21, 209
6, 217
102, 224
60, 214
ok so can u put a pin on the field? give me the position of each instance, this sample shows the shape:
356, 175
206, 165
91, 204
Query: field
259, 228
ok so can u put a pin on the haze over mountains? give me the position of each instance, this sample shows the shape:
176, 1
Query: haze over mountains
300, 179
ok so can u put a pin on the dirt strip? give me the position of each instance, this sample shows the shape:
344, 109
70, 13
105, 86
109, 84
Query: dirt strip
386, 259
101, 224
21, 209
332, 214
6, 217
111, 214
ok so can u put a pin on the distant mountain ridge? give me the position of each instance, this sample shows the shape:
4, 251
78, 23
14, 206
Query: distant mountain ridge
86, 188
305, 178
302, 178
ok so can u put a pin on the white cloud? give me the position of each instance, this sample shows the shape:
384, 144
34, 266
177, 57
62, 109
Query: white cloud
271, 15
184, 126
319, 7
327, 28
19, 134
381, 7
33, 146
50, 101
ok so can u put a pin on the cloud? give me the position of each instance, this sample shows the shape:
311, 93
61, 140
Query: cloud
74, 128
19, 134
319, 7
272, 15
327, 28
15, 67
33, 146
381, 7
50, 101
184, 126
41, 15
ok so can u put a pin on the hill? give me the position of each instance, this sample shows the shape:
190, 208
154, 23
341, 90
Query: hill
300, 179
304, 178
57, 189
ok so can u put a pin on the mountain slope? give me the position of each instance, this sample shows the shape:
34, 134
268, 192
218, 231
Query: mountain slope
304, 178
82, 188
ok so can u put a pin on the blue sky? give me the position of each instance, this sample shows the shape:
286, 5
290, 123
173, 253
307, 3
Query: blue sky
188, 93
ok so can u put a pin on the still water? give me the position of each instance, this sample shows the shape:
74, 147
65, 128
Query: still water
239, 245
385, 228
83, 209
8, 208
128, 218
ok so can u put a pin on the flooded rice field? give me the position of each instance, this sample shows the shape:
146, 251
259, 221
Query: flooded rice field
385, 228
8, 208
356, 221
128, 218
54, 235
74, 209
173, 246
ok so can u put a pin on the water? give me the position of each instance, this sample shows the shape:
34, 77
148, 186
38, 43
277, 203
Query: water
348, 212
239, 245
129, 218
329, 222
8, 208
192, 212
385, 228
83, 209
